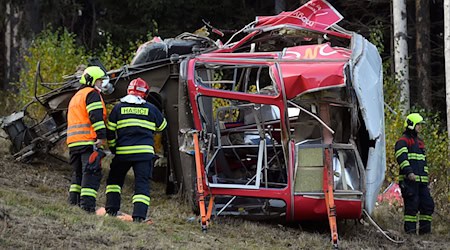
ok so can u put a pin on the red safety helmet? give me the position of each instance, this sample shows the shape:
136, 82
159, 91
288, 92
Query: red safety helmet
138, 87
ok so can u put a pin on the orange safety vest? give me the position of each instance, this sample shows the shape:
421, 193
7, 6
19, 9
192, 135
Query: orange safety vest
79, 127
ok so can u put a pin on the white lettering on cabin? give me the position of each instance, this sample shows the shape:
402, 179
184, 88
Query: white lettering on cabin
303, 18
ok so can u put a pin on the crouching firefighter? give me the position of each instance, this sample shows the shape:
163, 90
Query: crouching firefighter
86, 130
413, 178
131, 126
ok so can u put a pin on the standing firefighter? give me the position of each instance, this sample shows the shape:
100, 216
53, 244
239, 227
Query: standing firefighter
131, 126
410, 154
85, 130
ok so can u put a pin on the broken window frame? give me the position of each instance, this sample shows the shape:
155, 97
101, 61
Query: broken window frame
264, 128
238, 80
337, 147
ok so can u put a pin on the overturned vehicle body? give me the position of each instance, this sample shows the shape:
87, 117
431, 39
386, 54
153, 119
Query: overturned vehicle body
285, 122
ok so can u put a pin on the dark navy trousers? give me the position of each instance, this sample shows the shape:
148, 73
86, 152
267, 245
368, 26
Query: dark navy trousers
84, 185
141, 198
419, 206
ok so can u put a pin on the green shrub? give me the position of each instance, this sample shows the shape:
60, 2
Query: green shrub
8, 102
60, 55
113, 57
393, 124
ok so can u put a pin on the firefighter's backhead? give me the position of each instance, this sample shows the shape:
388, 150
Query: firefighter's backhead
412, 120
138, 87
92, 74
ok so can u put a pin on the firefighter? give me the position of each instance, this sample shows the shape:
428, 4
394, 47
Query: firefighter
131, 126
413, 178
86, 129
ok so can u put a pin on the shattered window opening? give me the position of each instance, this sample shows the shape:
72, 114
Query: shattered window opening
250, 79
245, 151
307, 125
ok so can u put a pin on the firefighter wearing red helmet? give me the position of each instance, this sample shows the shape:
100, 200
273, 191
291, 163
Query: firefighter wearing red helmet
413, 178
131, 126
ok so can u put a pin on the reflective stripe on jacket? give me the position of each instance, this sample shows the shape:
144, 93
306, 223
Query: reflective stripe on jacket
410, 155
80, 130
131, 128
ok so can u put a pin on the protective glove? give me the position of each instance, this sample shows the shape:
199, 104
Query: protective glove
100, 143
411, 177
95, 160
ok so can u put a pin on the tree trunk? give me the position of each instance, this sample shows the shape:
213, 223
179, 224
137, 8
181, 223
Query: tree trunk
423, 53
21, 21
2, 55
12, 43
447, 60
447, 70
401, 52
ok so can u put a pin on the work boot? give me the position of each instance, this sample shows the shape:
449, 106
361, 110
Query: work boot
90, 210
138, 219
147, 221
424, 227
410, 227
111, 212
87, 203
74, 198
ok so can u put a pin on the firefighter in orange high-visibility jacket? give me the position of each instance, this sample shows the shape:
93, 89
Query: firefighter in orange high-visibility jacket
86, 130
131, 126
413, 178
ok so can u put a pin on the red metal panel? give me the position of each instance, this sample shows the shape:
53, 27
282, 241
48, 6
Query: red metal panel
303, 78
309, 208
281, 194
317, 15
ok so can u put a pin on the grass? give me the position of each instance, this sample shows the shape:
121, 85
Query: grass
34, 214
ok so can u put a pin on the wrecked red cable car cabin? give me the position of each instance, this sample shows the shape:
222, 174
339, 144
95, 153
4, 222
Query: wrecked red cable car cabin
282, 113
288, 113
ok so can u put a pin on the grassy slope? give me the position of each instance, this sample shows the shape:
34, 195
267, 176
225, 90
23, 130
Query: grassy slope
34, 214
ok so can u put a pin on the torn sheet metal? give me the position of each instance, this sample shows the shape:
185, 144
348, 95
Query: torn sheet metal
301, 77
187, 145
367, 75
318, 15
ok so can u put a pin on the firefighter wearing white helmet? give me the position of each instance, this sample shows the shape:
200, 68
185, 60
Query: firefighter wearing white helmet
86, 129
413, 178
131, 126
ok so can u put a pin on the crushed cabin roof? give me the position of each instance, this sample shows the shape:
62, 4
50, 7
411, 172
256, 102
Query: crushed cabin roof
302, 67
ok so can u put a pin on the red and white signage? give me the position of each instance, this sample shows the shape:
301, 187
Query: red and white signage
315, 15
